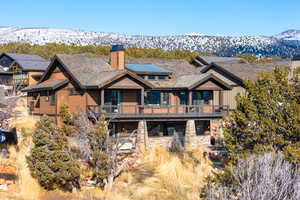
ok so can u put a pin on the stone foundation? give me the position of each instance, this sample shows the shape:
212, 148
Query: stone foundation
190, 140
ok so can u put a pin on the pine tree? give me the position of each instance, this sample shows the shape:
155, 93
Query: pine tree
50, 161
267, 117
98, 140
67, 120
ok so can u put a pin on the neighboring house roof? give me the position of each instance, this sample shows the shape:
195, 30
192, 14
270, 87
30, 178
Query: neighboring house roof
280, 63
28, 62
2, 71
89, 71
296, 57
48, 85
206, 60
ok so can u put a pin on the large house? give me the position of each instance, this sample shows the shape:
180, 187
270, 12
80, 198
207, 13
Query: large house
157, 97
26, 69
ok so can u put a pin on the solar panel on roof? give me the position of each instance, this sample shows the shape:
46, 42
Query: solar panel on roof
146, 68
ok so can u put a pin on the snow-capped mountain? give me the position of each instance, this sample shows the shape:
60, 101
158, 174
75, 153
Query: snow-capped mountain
291, 34
285, 44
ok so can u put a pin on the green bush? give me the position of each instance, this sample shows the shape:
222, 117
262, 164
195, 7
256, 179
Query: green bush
50, 162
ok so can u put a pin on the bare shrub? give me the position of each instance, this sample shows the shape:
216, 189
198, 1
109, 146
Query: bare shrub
176, 145
264, 177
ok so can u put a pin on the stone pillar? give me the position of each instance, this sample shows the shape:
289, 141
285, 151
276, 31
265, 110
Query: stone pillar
142, 135
190, 133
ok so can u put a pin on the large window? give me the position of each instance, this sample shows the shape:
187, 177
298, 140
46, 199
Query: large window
183, 97
156, 97
202, 97
112, 97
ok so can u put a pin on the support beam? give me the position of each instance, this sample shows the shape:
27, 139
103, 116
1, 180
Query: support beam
102, 97
142, 96
221, 94
190, 98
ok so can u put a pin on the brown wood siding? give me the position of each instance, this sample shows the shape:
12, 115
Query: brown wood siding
229, 96
31, 80
56, 76
93, 97
129, 98
216, 96
209, 85
125, 83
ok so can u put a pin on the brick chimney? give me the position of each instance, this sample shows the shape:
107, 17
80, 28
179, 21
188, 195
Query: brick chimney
117, 57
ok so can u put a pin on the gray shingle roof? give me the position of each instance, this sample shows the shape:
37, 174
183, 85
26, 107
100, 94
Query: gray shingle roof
187, 81
29, 62
246, 70
88, 70
178, 67
205, 60
52, 85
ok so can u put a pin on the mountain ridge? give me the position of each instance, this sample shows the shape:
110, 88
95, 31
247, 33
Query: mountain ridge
284, 44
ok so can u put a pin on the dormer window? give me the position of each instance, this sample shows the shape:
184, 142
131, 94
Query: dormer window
162, 78
151, 77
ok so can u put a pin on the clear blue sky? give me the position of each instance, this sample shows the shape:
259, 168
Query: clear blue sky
154, 17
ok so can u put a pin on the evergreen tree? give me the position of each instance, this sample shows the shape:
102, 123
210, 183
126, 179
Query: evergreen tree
98, 140
67, 120
267, 117
50, 161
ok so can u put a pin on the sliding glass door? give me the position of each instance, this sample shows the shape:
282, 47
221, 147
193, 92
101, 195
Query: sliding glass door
203, 97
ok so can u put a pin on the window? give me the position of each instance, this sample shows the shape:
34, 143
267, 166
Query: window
112, 97
162, 78
151, 77
156, 97
202, 97
165, 98
183, 97
152, 97
202, 127
142, 76
52, 99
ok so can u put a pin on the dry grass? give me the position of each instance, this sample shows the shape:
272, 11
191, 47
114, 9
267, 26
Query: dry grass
28, 188
161, 175
165, 175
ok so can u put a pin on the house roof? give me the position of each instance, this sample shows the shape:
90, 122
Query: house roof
90, 71
48, 85
191, 81
240, 71
188, 81
28, 62
206, 60
177, 67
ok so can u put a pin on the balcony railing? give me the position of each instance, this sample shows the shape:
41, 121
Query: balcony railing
161, 110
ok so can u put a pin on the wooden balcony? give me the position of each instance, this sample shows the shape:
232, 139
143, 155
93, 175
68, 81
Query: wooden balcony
162, 111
